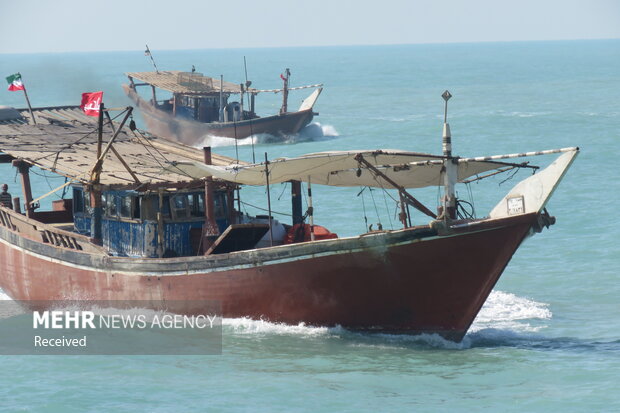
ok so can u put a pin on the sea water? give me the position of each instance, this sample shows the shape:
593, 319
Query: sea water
548, 338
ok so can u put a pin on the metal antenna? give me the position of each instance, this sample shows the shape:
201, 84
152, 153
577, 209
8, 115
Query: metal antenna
446, 96
447, 137
147, 52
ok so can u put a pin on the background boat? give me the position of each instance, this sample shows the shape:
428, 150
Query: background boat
197, 107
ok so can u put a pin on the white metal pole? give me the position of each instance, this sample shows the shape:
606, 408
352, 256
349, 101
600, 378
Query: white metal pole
310, 210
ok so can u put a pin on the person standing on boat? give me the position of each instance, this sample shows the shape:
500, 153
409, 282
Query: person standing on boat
5, 198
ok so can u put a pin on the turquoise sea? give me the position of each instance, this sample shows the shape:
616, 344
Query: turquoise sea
547, 340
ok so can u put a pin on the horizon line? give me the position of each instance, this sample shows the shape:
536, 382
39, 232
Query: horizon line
320, 46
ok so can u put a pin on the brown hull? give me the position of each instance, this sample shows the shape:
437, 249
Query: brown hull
409, 281
191, 132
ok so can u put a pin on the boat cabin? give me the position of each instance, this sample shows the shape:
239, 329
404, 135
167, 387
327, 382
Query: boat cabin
132, 221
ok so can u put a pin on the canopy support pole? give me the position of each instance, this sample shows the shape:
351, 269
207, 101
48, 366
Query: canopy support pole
24, 170
296, 202
118, 155
268, 199
310, 210
210, 231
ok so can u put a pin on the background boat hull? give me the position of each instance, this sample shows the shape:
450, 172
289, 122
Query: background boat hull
192, 133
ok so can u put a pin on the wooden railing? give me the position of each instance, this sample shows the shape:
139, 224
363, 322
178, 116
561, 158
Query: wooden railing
46, 233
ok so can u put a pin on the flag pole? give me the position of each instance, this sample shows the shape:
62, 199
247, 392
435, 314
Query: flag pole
28, 102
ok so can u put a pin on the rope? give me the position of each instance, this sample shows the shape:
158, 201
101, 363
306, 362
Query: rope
282, 193
375, 204
266, 210
180, 171
364, 207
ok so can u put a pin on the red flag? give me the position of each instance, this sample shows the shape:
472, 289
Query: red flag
91, 102
282, 77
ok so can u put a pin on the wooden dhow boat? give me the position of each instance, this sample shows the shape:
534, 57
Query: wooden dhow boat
197, 106
154, 220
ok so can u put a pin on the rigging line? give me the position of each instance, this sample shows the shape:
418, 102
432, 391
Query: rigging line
64, 190
73, 143
384, 198
387, 209
512, 175
65, 147
364, 208
266, 210
375, 204
384, 189
282, 193
181, 172
496, 172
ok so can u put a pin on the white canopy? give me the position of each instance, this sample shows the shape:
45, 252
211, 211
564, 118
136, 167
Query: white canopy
340, 168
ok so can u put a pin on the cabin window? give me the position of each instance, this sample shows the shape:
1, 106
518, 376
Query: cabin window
197, 204
130, 207
220, 205
150, 206
136, 208
166, 207
179, 206
110, 204
78, 200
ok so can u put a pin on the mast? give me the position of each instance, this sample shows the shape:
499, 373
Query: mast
450, 166
148, 53
285, 78
221, 98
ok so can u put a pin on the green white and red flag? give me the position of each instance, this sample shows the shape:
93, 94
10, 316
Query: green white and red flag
15, 82
91, 103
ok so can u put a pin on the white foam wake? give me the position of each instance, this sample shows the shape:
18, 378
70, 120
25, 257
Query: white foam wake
219, 141
317, 130
314, 130
507, 311
503, 316
246, 325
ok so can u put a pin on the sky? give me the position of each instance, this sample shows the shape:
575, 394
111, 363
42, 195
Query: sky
37, 26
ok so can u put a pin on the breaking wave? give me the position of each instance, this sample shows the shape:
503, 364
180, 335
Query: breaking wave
317, 130
508, 311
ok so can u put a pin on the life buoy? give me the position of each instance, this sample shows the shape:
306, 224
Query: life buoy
301, 233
